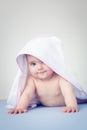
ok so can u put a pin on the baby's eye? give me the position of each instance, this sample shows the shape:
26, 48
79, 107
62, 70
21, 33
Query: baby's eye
33, 63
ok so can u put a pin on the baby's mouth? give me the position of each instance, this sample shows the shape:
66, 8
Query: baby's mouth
42, 72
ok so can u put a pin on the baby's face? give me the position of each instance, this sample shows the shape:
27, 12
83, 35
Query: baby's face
38, 69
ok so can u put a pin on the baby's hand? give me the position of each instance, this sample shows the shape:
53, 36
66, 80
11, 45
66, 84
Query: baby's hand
70, 109
17, 111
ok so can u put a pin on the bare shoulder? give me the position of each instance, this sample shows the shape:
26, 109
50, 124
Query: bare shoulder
64, 82
65, 86
30, 80
29, 86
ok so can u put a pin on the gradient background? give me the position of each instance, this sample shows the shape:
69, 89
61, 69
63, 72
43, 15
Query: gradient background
21, 20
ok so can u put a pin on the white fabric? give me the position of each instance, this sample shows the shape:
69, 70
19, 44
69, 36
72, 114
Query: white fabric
48, 50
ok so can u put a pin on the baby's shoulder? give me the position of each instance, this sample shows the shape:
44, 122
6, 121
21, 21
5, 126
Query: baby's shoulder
58, 77
30, 78
64, 82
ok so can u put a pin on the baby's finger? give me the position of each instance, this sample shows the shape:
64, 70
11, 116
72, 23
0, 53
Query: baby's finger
70, 109
25, 110
22, 110
16, 112
11, 112
64, 109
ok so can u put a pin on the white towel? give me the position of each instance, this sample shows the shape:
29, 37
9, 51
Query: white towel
48, 50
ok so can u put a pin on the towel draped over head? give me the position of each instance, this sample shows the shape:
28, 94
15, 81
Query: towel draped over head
48, 50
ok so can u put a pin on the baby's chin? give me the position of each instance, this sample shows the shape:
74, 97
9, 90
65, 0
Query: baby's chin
44, 77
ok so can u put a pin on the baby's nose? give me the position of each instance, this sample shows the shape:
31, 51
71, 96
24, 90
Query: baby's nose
40, 66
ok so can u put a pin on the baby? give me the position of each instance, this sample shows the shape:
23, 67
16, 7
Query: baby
51, 89
43, 77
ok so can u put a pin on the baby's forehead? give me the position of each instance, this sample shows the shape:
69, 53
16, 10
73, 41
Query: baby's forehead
31, 58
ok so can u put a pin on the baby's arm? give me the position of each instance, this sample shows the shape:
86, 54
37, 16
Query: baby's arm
25, 98
69, 97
